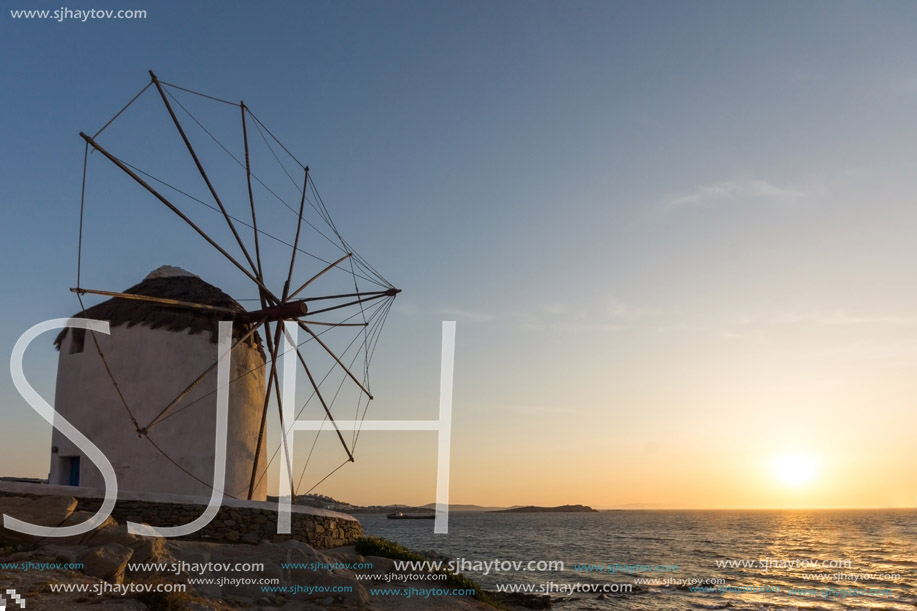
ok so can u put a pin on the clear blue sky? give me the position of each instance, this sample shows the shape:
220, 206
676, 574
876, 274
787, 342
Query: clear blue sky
652, 221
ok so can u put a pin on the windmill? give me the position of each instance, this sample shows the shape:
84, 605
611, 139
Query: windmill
137, 391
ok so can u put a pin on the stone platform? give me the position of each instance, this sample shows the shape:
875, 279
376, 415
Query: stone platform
237, 521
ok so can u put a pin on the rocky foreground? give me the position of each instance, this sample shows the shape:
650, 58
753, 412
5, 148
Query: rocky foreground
113, 567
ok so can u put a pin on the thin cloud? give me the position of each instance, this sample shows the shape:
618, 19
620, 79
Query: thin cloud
757, 328
472, 316
616, 316
844, 319
546, 409
462, 314
835, 318
710, 194
630, 313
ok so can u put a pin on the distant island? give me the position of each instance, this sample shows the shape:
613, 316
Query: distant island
321, 501
558, 509
326, 502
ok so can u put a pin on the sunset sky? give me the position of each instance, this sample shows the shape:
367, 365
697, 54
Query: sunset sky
677, 237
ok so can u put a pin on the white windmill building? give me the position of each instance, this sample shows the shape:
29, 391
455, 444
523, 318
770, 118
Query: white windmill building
138, 378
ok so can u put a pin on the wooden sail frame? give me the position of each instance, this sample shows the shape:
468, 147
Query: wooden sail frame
277, 307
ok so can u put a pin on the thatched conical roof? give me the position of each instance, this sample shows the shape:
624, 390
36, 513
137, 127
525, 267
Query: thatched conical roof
170, 283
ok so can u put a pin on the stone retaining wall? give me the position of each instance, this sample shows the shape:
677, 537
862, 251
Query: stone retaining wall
232, 524
236, 524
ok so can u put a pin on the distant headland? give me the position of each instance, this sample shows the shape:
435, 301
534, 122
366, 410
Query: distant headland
326, 502
558, 509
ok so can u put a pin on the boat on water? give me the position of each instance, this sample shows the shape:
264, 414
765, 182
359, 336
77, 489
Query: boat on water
400, 515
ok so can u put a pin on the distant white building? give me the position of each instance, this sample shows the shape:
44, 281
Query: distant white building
154, 352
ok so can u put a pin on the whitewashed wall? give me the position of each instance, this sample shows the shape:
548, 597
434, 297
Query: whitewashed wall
152, 367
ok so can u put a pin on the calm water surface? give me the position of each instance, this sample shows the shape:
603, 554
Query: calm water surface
877, 544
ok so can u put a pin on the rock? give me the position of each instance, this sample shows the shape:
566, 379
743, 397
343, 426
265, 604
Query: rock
151, 549
78, 517
432, 554
381, 565
44, 511
107, 562
47, 510
64, 553
528, 601
272, 556
113, 533
11, 502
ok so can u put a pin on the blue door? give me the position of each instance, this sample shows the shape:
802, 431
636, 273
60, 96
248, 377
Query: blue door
74, 479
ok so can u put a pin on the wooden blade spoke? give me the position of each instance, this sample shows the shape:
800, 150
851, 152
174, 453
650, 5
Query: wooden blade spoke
271, 343
160, 300
319, 395
362, 295
347, 304
283, 429
319, 275
168, 408
305, 328
203, 173
95, 145
251, 196
335, 324
308, 304
302, 203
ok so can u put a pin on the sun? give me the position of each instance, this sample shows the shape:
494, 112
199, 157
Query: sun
794, 469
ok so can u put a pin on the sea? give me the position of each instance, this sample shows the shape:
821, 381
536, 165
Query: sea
677, 560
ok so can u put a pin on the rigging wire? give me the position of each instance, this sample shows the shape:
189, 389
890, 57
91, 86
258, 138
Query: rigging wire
198, 93
267, 362
372, 353
111, 376
326, 477
255, 176
242, 222
292, 156
172, 460
365, 353
276, 158
359, 399
311, 450
333, 399
373, 317
118, 114
367, 267
311, 396
79, 243
130, 413
95, 340
259, 125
